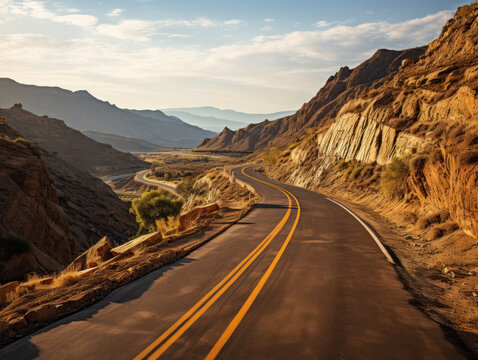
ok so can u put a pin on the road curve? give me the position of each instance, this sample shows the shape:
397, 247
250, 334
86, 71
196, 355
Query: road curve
141, 177
297, 278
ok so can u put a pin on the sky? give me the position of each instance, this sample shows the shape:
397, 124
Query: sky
251, 56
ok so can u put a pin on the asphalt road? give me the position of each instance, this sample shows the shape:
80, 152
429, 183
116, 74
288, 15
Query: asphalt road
317, 288
141, 177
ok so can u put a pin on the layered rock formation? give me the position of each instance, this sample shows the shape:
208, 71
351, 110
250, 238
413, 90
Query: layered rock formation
340, 88
426, 112
71, 145
50, 211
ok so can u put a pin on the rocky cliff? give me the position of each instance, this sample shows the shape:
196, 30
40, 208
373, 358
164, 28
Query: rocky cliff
34, 230
50, 210
343, 86
71, 145
426, 113
404, 151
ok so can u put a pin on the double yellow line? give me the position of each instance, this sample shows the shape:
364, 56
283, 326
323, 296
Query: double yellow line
162, 343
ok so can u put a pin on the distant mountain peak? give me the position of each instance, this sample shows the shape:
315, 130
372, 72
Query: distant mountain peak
83, 93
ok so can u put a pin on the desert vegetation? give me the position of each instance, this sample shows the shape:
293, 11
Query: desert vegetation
395, 178
154, 206
272, 155
177, 166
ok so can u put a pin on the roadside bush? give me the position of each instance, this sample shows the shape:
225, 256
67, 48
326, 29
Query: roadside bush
167, 226
394, 180
185, 187
272, 155
152, 206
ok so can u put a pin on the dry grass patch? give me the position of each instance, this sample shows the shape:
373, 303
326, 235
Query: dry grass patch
168, 226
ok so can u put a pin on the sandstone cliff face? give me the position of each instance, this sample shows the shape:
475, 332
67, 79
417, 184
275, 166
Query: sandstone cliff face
346, 84
71, 145
29, 208
426, 113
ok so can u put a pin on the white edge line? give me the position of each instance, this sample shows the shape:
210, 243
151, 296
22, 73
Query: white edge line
379, 243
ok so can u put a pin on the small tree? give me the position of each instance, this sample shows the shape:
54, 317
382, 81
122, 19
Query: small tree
395, 178
153, 206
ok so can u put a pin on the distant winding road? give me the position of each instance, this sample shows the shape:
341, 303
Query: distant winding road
298, 278
141, 177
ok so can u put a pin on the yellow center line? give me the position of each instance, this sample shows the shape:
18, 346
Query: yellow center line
248, 303
226, 282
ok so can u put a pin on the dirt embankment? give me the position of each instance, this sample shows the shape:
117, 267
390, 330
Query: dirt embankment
30, 305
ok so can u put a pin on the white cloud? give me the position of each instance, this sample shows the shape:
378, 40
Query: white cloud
269, 20
202, 22
263, 72
38, 10
322, 23
115, 12
80, 20
233, 22
137, 30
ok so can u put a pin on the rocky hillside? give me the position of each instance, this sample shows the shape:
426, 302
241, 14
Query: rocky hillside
80, 110
50, 211
406, 148
346, 84
426, 114
71, 145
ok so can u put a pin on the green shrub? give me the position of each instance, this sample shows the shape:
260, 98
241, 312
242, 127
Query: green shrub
272, 156
153, 206
29, 145
395, 178
185, 187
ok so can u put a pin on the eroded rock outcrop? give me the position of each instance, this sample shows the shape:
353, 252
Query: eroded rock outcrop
340, 88
34, 230
426, 113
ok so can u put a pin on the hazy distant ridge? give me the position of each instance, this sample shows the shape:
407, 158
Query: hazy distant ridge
83, 111
214, 119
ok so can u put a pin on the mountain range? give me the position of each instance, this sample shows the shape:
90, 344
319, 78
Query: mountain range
82, 111
344, 85
214, 119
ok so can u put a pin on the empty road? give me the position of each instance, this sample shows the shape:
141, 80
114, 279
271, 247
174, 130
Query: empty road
297, 278
141, 177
